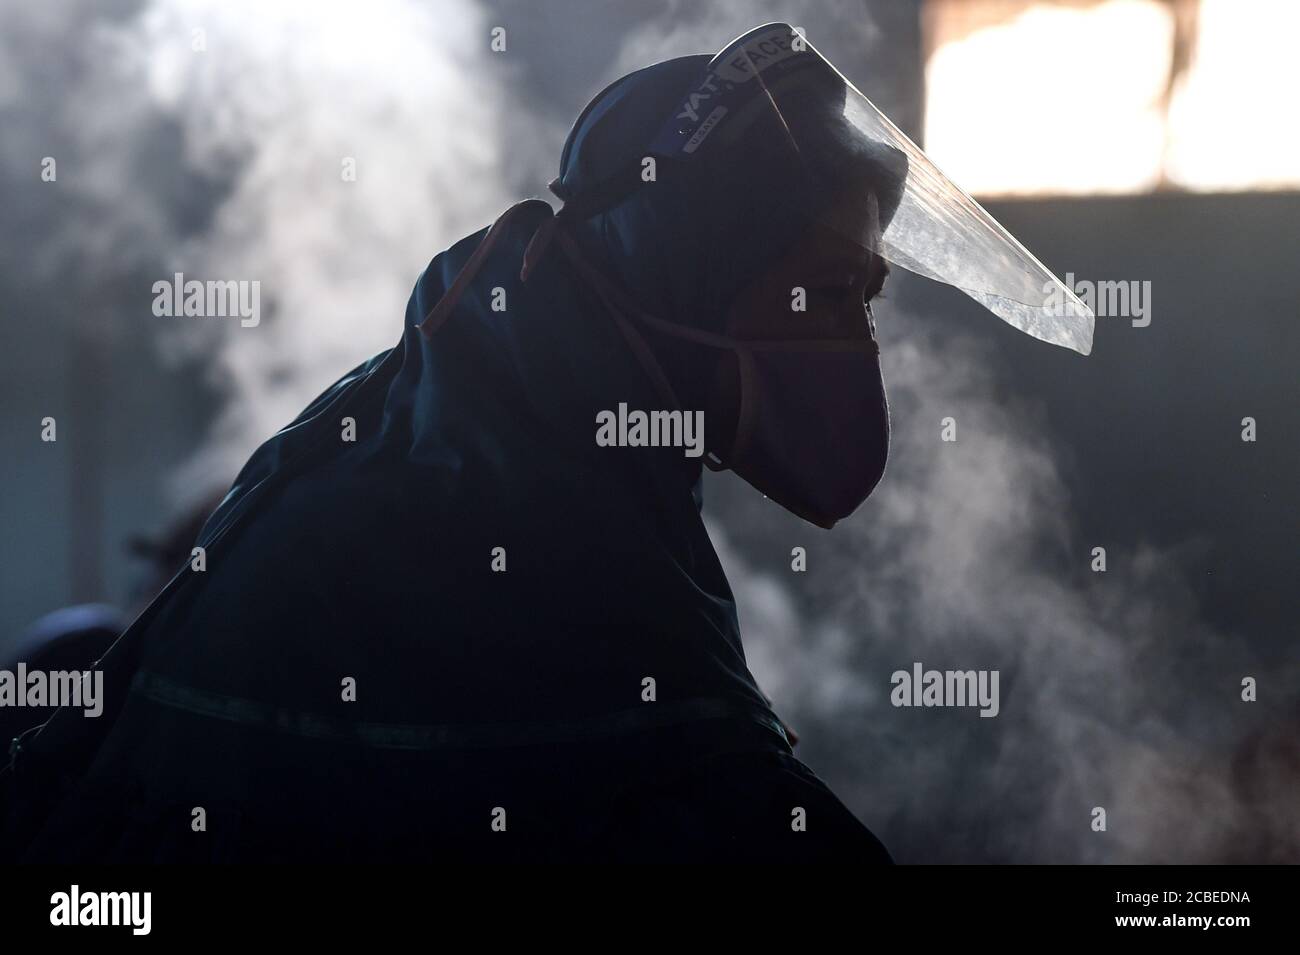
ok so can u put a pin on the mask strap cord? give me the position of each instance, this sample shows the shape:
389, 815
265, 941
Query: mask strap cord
450, 298
536, 247
619, 306
615, 302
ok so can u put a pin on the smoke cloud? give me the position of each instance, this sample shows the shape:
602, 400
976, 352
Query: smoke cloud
324, 151
1113, 693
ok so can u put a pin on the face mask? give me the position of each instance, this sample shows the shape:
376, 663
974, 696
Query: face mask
803, 407
811, 428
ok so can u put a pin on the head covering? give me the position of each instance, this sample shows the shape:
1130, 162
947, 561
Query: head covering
769, 133
686, 243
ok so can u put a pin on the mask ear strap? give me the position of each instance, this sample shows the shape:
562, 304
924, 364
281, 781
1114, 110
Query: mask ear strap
452, 296
541, 239
572, 208
745, 415
618, 306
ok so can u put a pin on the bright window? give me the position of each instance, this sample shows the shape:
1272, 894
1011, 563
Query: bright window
1106, 96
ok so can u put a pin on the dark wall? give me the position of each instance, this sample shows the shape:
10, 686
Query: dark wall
1152, 419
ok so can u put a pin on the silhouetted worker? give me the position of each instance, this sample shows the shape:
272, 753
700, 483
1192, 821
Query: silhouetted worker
465, 607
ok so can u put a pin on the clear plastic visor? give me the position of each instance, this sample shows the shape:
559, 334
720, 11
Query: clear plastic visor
856, 172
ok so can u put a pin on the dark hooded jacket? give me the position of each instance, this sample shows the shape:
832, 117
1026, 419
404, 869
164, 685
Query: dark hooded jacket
468, 617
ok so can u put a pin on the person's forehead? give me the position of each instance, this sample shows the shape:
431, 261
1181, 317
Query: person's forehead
826, 246
855, 214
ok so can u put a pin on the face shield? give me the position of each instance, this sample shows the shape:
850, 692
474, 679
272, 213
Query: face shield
770, 97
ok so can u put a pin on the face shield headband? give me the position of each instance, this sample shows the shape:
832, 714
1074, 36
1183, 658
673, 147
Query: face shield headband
771, 90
